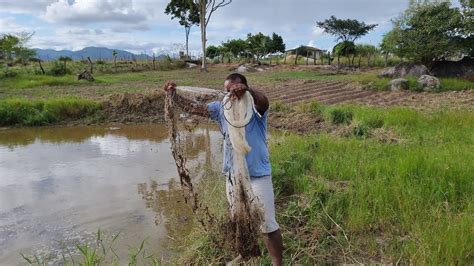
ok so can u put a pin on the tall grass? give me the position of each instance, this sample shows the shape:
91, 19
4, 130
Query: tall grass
359, 200
42, 112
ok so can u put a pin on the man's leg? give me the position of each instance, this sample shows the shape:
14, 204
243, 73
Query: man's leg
263, 189
274, 244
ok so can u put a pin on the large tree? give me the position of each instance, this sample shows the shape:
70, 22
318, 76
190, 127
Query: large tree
431, 30
206, 9
188, 14
259, 45
345, 29
12, 46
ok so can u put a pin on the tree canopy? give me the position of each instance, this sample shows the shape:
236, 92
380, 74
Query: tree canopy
428, 31
345, 29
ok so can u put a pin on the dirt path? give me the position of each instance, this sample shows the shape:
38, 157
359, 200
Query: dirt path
334, 92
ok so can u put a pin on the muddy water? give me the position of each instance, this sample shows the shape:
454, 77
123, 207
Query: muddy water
59, 185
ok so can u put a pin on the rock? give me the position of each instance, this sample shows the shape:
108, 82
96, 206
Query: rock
387, 73
406, 69
428, 83
242, 69
85, 75
463, 68
191, 65
259, 69
399, 84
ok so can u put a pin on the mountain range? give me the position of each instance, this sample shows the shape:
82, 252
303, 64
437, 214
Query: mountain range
95, 53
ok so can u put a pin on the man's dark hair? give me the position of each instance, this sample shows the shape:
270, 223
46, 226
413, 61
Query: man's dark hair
236, 77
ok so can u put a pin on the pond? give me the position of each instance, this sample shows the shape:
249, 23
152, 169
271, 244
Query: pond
59, 185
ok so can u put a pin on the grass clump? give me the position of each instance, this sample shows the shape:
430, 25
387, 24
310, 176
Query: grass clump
43, 112
340, 116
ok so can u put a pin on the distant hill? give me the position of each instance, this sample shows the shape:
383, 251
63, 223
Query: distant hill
95, 53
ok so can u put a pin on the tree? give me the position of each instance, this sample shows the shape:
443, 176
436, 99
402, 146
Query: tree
13, 47
389, 44
212, 51
206, 9
345, 48
259, 45
345, 29
277, 45
188, 14
366, 50
65, 59
430, 31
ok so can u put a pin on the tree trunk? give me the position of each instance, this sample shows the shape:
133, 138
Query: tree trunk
41, 67
353, 57
284, 60
360, 59
115, 63
386, 59
187, 30
368, 60
314, 57
307, 56
338, 62
154, 60
296, 57
91, 65
270, 60
202, 16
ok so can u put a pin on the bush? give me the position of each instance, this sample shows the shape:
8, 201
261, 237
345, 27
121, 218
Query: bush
58, 69
340, 116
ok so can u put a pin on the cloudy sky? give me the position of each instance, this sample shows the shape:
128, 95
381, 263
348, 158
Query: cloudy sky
141, 25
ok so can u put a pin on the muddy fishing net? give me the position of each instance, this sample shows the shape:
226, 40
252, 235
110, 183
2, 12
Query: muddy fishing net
238, 232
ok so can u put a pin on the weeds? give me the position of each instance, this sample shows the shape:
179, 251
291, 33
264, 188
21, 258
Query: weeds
43, 112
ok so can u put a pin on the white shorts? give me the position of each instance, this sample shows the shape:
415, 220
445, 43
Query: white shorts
263, 190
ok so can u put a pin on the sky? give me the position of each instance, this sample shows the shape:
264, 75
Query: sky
140, 26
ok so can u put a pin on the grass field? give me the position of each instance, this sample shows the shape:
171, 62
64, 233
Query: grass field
383, 185
353, 198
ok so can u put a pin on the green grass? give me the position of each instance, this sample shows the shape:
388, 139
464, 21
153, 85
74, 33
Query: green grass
352, 199
371, 80
23, 81
42, 112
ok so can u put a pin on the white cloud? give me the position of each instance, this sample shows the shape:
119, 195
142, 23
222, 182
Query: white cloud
9, 25
89, 11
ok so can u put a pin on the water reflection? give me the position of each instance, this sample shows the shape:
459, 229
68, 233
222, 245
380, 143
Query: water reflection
62, 184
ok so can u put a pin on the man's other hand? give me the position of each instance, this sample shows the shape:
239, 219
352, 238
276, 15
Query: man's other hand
237, 91
170, 86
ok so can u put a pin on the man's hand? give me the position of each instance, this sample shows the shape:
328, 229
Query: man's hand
237, 91
170, 86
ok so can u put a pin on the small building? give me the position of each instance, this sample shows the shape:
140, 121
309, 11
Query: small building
307, 51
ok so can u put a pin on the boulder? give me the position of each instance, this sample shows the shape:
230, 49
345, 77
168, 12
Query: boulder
463, 68
399, 84
85, 75
388, 73
242, 69
428, 83
406, 69
191, 65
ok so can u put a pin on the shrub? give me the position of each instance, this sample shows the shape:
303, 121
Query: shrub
340, 116
58, 69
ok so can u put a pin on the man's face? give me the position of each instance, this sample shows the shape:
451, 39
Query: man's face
227, 85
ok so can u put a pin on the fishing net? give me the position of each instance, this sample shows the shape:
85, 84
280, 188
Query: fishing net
239, 231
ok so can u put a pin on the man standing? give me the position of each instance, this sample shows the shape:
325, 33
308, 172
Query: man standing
257, 159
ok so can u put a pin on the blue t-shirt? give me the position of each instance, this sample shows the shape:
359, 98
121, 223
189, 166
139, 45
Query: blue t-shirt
256, 134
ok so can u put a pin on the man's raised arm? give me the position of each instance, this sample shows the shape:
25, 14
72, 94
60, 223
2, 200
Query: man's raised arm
187, 105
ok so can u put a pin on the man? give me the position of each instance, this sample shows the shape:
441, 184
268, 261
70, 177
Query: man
257, 159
